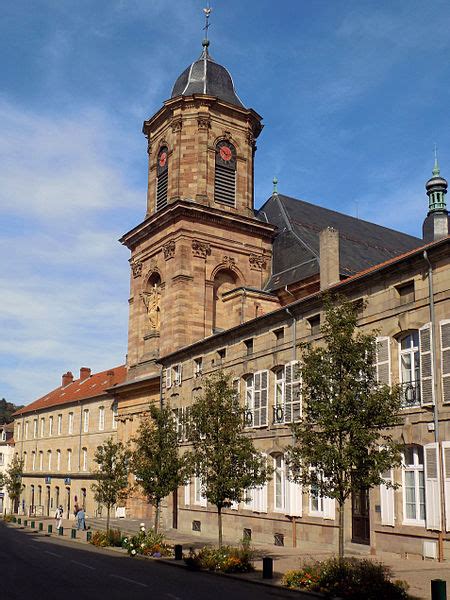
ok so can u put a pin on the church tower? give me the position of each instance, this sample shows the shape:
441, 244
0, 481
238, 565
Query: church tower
436, 224
200, 258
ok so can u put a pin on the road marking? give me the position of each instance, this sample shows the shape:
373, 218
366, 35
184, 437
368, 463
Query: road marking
174, 597
52, 553
129, 580
83, 565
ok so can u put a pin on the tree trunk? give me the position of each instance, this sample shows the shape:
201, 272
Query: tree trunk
219, 523
341, 530
108, 511
156, 516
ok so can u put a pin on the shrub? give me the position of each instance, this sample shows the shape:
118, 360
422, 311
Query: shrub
103, 539
227, 559
348, 578
8, 518
147, 543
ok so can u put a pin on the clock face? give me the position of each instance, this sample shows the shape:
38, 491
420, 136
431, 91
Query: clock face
225, 153
162, 159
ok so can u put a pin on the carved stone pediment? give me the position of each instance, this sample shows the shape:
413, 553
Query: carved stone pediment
258, 262
200, 249
169, 250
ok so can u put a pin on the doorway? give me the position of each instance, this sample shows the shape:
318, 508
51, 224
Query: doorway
68, 502
48, 501
360, 517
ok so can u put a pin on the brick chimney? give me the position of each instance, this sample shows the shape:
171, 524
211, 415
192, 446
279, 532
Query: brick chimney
84, 373
329, 257
67, 378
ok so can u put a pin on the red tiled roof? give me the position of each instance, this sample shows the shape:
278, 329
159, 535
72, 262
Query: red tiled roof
79, 389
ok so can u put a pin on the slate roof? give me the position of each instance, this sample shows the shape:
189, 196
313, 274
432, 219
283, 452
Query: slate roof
91, 387
205, 76
296, 245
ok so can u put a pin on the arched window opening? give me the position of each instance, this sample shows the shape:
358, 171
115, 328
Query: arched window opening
225, 174
410, 368
162, 178
224, 281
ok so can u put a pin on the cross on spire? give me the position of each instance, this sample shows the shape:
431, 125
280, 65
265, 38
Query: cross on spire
207, 12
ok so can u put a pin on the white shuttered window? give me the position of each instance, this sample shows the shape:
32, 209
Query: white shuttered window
293, 401
387, 500
383, 360
445, 359
432, 483
426, 365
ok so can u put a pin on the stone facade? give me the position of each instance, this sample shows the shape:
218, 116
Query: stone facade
6, 455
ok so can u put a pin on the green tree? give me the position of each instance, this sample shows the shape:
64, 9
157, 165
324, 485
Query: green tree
156, 461
345, 433
12, 480
6, 410
223, 456
112, 459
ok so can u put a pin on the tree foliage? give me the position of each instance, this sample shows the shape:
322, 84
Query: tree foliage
112, 459
346, 429
156, 461
6, 410
12, 480
223, 456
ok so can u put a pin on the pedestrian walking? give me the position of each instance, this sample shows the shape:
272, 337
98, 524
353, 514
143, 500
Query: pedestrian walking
81, 519
59, 516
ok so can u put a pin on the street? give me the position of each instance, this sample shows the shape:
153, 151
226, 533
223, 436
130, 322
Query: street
37, 567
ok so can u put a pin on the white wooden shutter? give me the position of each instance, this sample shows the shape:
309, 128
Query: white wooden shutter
293, 498
180, 373
445, 359
446, 459
264, 397
383, 360
432, 496
168, 377
387, 500
292, 398
426, 365
257, 399
263, 498
187, 493
329, 508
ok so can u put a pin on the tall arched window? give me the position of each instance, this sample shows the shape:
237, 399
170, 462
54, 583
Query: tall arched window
225, 174
410, 368
162, 177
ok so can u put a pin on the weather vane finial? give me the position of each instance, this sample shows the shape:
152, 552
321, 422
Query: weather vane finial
207, 12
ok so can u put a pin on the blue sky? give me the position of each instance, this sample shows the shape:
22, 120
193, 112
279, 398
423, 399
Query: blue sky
354, 94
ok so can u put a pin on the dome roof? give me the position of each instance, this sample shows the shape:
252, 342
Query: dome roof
205, 76
436, 183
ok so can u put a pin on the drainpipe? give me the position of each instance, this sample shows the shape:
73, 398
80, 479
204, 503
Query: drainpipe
435, 405
161, 401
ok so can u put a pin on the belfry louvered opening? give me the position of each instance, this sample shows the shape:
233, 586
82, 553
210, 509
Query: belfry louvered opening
225, 174
162, 180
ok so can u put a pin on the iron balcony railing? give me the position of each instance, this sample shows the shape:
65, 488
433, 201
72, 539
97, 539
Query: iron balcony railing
410, 394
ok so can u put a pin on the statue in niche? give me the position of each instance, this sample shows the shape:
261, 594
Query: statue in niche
152, 301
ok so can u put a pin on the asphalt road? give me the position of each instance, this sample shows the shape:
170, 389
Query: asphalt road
35, 567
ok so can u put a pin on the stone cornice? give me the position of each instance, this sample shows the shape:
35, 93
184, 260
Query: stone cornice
187, 209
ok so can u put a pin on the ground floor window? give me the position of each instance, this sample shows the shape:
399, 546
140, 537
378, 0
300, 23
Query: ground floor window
413, 486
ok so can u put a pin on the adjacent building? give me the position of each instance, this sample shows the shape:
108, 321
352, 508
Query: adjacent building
6, 455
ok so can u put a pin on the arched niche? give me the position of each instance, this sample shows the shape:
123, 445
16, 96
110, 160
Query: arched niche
151, 296
224, 281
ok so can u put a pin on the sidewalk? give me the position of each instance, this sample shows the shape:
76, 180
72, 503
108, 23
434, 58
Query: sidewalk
418, 573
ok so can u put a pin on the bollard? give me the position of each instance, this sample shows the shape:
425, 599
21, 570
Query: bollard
178, 549
88, 536
19, 521
25, 522
32, 524
49, 528
267, 567
41, 527
61, 531
438, 589
73, 534
14, 519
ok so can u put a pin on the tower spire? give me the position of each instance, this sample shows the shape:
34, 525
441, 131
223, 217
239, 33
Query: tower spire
436, 171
